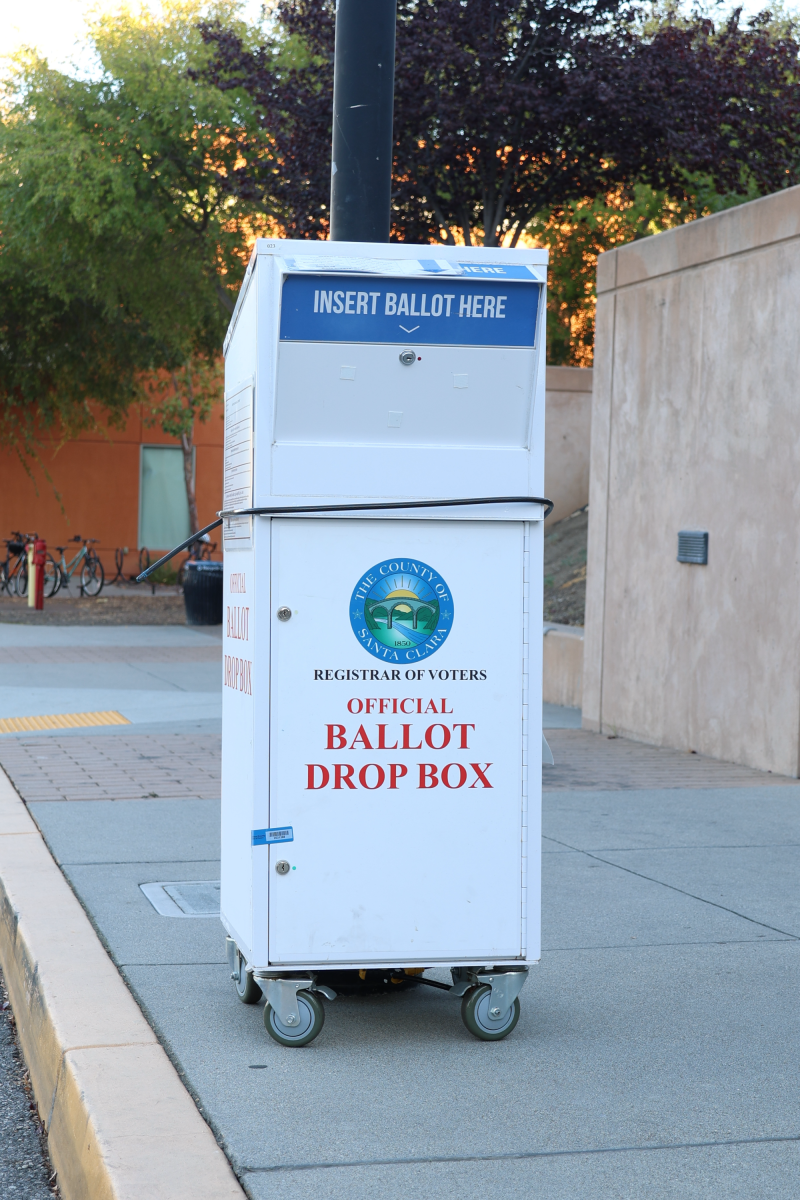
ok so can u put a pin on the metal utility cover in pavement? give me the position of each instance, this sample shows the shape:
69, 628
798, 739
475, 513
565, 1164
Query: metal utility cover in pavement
693, 547
186, 898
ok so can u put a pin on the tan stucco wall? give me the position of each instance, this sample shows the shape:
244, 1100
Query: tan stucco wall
568, 423
696, 425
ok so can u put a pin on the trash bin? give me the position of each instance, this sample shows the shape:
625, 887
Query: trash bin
382, 697
202, 593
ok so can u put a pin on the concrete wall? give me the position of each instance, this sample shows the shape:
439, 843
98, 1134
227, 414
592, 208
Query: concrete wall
696, 425
562, 665
568, 426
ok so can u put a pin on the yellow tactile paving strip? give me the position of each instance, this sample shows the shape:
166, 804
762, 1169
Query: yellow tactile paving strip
61, 721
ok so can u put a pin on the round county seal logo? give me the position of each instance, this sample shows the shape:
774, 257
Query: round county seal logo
401, 610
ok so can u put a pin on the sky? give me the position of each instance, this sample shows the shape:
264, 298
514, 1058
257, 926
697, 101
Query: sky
50, 25
55, 27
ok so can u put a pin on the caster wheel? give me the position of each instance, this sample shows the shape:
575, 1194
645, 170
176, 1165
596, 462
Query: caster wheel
312, 1018
247, 989
477, 1015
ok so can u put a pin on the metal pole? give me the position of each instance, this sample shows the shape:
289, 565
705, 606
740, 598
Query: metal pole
363, 100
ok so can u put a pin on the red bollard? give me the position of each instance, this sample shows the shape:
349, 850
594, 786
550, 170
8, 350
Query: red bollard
39, 559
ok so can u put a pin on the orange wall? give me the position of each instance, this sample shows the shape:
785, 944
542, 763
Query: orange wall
97, 476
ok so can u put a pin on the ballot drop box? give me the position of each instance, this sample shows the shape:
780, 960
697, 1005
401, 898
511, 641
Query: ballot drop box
382, 736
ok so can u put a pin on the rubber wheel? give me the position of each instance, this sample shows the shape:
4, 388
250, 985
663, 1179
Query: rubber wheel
312, 1018
476, 1016
92, 577
52, 577
247, 989
20, 580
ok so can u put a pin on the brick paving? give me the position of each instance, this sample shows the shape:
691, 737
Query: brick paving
170, 766
594, 762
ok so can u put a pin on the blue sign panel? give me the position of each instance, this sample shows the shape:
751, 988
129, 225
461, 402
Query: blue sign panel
488, 311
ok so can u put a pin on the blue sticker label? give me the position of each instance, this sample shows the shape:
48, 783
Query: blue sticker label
270, 837
489, 311
498, 271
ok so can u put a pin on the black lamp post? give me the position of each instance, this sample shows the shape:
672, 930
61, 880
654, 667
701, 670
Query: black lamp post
363, 100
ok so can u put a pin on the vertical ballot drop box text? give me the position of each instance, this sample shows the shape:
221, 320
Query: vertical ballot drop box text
381, 791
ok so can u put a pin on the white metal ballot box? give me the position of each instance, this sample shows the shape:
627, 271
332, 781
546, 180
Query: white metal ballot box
382, 734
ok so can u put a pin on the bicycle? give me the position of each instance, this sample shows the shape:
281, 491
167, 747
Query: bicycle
92, 573
16, 548
14, 579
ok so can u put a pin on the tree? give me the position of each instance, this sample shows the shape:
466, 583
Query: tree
580, 231
284, 159
121, 250
508, 108
576, 235
696, 108
178, 400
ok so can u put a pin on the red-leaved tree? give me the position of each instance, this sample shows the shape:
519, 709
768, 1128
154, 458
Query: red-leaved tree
506, 108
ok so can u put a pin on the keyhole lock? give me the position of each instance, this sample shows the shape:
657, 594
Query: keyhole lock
284, 613
282, 867
407, 357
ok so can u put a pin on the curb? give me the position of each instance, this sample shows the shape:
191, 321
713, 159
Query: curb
120, 1124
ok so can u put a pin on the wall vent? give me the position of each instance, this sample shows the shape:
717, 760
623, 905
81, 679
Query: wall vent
693, 547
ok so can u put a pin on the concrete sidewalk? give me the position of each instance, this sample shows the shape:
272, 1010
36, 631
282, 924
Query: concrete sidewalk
155, 676
656, 1051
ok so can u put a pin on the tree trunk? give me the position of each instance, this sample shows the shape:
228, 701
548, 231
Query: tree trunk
187, 445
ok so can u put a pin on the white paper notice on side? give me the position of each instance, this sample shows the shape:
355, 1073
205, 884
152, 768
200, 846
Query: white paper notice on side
238, 469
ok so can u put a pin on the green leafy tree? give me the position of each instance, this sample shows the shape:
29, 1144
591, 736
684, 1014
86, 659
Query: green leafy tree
579, 232
120, 252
